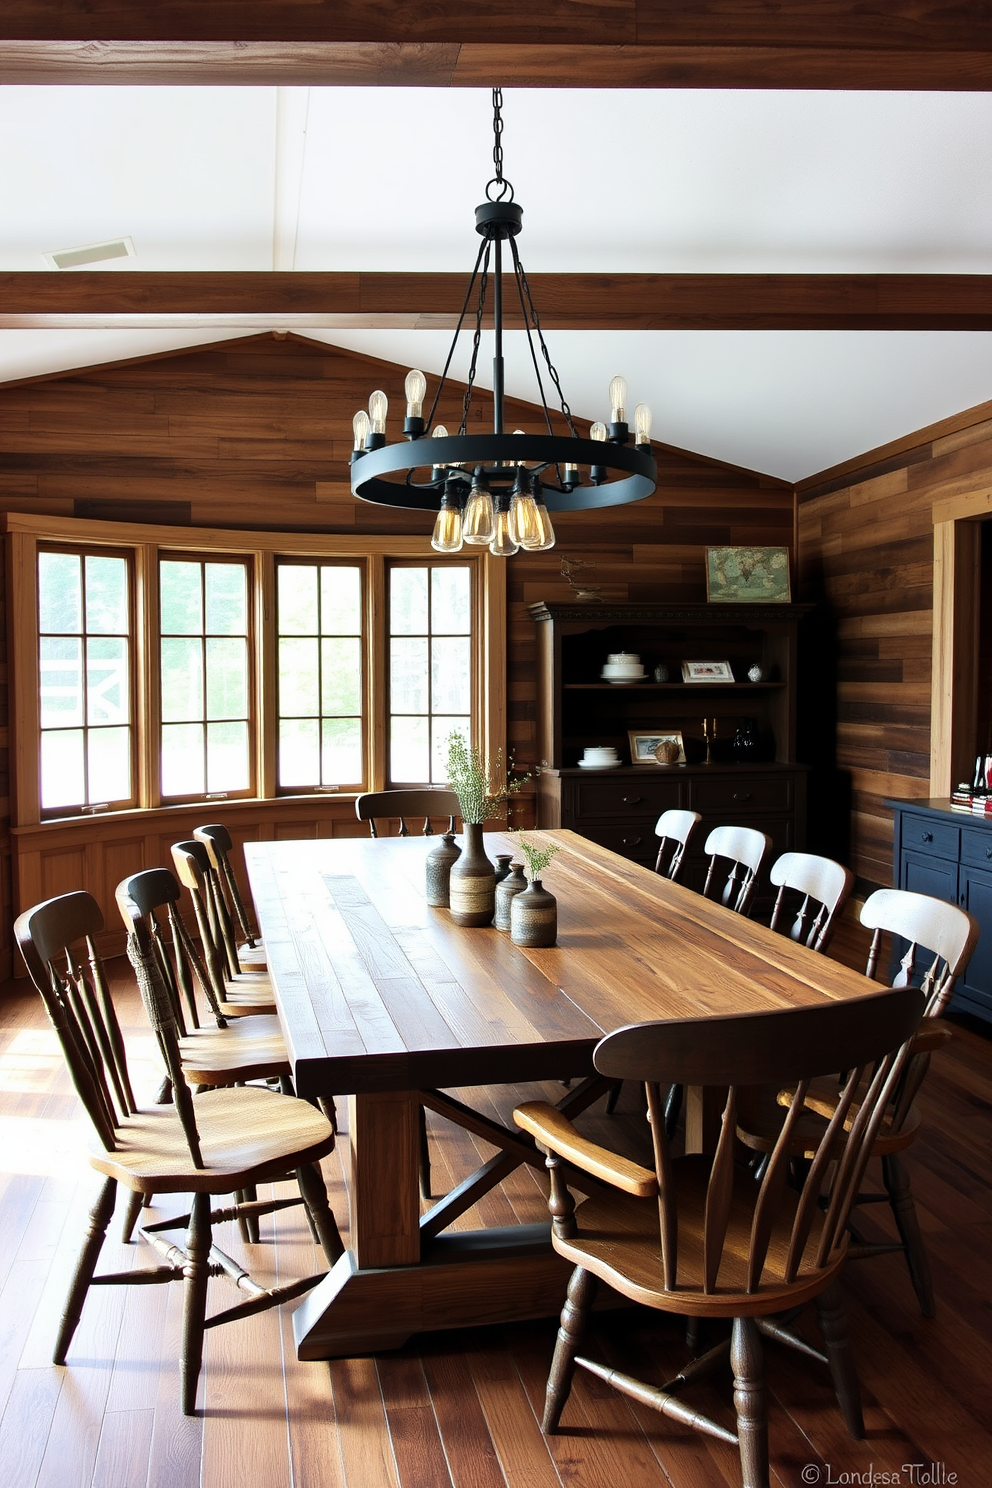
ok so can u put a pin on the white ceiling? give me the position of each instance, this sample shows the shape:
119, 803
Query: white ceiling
711, 181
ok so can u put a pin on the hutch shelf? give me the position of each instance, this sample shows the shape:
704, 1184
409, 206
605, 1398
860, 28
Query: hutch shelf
618, 807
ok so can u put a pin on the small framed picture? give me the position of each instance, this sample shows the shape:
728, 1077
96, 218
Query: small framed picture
707, 671
656, 747
747, 575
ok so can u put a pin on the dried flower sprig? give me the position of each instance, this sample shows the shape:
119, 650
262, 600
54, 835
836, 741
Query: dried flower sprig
538, 858
475, 780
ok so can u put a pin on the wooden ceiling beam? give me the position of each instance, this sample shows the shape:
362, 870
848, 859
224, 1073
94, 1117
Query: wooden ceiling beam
299, 301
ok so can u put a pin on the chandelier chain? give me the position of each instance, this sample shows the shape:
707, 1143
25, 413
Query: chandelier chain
505, 188
536, 319
458, 330
476, 338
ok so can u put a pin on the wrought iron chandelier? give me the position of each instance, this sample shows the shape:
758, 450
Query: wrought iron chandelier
496, 490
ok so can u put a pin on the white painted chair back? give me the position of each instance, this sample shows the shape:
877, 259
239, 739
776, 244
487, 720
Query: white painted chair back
674, 828
824, 887
745, 848
930, 925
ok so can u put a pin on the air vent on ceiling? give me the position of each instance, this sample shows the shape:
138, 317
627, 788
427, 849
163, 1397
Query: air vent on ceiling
91, 253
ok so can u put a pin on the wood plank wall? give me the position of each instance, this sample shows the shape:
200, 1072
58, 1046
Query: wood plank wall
255, 433
866, 554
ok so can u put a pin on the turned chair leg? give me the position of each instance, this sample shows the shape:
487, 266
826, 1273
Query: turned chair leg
100, 1217
751, 1402
135, 1202
315, 1199
833, 1325
196, 1272
574, 1321
896, 1181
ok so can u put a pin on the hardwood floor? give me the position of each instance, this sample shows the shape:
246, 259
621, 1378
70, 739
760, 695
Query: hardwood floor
456, 1410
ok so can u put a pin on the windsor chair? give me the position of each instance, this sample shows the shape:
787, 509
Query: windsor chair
744, 849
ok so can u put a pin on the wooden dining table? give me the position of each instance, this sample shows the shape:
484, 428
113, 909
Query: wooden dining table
386, 1000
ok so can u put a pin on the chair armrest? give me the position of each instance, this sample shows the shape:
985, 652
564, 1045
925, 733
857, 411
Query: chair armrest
553, 1130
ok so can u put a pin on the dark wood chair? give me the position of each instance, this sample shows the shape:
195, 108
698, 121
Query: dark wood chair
250, 954
940, 940
674, 828
744, 850
239, 994
388, 805
218, 1143
698, 1236
822, 888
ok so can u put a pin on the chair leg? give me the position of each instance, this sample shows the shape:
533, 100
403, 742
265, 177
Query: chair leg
673, 1109
833, 1324
425, 1155
135, 1202
751, 1402
896, 1181
613, 1097
100, 1216
574, 1321
196, 1272
315, 1197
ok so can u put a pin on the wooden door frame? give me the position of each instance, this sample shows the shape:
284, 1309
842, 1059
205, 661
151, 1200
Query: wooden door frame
954, 680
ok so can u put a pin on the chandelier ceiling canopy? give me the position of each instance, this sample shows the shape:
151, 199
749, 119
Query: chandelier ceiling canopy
496, 490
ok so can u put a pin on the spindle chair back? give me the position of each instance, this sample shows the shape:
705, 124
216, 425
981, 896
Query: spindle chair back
744, 848
219, 844
822, 887
674, 828
238, 994
944, 934
376, 806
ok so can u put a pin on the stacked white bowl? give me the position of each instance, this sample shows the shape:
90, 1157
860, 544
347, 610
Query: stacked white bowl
623, 666
599, 757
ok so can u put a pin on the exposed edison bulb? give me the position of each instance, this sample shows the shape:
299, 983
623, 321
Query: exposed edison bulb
378, 408
503, 544
361, 426
642, 423
439, 432
524, 523
597, 431
447, 537
416, 390
545, 537
618, 399
479, 521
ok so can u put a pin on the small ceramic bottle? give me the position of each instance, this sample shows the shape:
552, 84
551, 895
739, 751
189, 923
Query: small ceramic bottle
437, 869
534, 916
502, 866
513, 884
472, 883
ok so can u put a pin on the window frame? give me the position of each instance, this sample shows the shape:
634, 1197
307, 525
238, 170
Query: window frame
147, 543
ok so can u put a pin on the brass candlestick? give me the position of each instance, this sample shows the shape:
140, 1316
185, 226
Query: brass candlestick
709, 734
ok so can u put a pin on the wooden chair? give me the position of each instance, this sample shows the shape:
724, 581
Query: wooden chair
219, 844
823, 887
745, 849
674, 828
239, 994
698, 1236
946, 936
379, 805
218, 1143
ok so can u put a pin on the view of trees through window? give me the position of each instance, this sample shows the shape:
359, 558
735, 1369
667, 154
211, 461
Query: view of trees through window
319, 626
430, 668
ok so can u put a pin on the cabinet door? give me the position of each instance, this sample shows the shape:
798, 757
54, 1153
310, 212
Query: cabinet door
973, 993
926, 875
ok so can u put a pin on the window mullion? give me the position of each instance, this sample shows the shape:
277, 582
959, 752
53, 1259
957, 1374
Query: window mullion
265, 663
147, 713
377, 700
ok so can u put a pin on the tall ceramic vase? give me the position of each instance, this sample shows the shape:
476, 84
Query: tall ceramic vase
472, 885
437, 868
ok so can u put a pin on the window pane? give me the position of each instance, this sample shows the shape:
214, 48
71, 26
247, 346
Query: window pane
227, 679
227, 756
182, 679
408, 601
60, 597
409, 752
182, 759
451, 686
408, 678
451, 592
298, 687
441, 731
180, 598
297, 599
341, 676
340, 601
106, 596
342, 751
227, 599
109, 763
106, 683
63, 779
61, 691
299, 752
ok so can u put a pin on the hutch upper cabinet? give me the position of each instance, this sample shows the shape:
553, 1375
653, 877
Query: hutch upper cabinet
755, 782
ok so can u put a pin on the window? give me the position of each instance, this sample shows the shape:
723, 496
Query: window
205, 678
320, 634
84, 670
430, 668
158, 666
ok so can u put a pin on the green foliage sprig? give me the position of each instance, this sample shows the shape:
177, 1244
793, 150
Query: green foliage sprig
538, 858
479, 784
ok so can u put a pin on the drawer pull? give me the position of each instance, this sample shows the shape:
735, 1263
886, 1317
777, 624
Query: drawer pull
632, 800
742, 795
632, 842
926, 836
988, 852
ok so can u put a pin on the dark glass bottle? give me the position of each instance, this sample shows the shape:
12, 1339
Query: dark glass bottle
745, 743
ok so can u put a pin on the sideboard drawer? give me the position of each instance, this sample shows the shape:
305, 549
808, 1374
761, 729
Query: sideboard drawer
627, 797
636, 841
924, 834
976, 848
735, 794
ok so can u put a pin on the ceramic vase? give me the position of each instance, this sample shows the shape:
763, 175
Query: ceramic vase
534, 917
472, 883
506, 891
502, 866
438, 870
